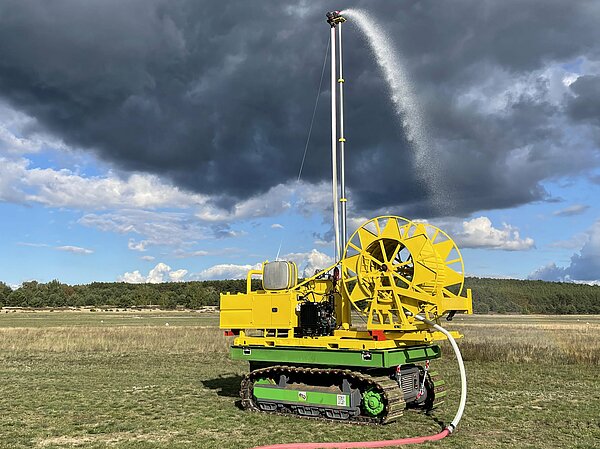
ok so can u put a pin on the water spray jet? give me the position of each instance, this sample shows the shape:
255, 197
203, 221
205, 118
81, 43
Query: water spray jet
406, 106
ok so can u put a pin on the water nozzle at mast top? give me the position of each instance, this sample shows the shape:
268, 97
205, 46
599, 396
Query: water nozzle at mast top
335, 17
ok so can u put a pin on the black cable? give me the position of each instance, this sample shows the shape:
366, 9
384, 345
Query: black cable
312, 121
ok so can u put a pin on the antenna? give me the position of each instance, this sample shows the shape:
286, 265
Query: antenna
279, 250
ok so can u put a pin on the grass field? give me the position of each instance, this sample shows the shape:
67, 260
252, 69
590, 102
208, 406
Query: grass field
163, 380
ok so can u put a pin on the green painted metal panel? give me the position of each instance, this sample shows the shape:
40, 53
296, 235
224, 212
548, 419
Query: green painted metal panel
384, 358
301, 397
410, 355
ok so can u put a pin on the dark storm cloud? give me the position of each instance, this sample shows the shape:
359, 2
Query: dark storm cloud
218, 95
585, 105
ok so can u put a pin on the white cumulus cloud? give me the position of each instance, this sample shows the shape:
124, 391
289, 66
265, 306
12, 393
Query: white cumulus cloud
134, 277
304, 197
479, 233
309, 262
160, 273
226, 271
177, 275
137, 246
19, 183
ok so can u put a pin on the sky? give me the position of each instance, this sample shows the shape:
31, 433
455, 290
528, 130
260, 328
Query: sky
151, 141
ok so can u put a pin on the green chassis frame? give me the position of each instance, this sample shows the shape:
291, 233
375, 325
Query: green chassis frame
383, 358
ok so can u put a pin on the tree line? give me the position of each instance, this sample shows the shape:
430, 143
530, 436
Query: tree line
489, 295
192, 295
517, 296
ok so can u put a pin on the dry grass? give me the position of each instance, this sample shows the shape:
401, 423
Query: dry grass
102, 380
517, 340
487, 338
110, 439
118, 339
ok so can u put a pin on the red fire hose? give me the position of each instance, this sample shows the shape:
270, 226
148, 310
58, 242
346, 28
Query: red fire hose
359, 444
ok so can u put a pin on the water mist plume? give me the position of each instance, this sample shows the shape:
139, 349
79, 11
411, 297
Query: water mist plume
405, 104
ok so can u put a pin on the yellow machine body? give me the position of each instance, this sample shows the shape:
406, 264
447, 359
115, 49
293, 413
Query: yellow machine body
392, 269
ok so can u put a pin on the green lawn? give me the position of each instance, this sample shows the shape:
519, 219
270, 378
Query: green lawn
165, 390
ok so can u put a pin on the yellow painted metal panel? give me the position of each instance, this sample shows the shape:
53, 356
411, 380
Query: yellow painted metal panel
396, 340
452, 277
283, 314
443, 248
236, 312
366, 237
391, 230
261, 311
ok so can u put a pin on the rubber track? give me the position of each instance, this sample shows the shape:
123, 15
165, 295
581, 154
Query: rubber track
392, 394
439, 389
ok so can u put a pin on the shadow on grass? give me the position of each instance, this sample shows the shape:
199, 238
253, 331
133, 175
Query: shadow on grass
225, 385
438, 421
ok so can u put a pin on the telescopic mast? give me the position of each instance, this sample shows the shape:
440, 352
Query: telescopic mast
335, 20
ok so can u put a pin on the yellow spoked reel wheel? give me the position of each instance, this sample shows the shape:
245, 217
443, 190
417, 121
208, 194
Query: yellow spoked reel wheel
391, 263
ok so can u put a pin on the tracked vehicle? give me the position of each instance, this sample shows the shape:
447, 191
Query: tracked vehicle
354, 341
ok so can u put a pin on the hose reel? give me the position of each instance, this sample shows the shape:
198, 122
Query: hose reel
392, 264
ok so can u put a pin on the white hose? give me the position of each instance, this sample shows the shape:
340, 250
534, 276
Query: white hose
461, 366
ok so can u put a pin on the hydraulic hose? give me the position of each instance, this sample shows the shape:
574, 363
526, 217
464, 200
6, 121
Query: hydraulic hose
403, 441
461, 366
